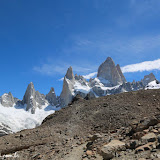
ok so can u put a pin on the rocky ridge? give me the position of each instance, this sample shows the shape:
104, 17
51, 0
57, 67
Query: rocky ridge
122, 126
109, 80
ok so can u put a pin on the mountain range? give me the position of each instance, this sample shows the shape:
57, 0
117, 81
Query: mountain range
109, 80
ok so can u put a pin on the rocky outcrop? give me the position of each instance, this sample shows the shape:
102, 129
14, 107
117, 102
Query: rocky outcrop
108, 71
148, 78
7, 100
40, 99
51, 97
120, 73
81, 79
109, 80
33, 99
69, 75
29, 98
68, 86
4, 130
108, 150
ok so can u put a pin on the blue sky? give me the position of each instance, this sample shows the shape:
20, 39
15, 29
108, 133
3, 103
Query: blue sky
40, 39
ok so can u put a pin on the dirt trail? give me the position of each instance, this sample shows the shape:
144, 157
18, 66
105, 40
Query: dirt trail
76, 153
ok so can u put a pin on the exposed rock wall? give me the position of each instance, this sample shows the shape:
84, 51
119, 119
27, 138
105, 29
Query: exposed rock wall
7, 100
108, 71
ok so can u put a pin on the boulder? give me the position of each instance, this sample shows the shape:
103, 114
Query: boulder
108, 151
150, 137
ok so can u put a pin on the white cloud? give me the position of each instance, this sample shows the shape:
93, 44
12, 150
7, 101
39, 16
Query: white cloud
138, 67
61, 79
143, 66
91, 75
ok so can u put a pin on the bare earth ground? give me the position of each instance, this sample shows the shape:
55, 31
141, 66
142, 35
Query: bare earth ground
65, 134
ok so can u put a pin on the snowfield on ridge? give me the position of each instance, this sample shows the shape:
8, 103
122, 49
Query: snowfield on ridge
17, 118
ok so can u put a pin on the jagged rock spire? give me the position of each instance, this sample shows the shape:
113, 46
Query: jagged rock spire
51, 97
29, 98
68, 85
108, 71
33, 99
69, 75
120, 73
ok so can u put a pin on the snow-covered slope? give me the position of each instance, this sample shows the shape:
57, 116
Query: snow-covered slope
35, 107
153, 85
17, 118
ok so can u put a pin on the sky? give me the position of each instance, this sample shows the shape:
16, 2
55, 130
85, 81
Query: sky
40, 39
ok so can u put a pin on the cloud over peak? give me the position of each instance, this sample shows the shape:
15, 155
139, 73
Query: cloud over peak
143, 66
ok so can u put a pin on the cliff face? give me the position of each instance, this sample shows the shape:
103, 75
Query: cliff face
120, 73
108, 71
109, 80
68, 85
51, 97
7, 100
33, 99
148, 78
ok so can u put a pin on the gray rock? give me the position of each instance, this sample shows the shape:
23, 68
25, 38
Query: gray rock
33, 99
99, 92
40, 99
108, 151
90, 95
80, 79
150, 137
29, 98
7, 100
51, 97
148, 78
120, 73
108, 71
68, 87
69, 75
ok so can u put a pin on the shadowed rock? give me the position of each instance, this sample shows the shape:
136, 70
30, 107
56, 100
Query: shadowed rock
33, 99
69, 75
108, 71
148, 78
29, 98
51, 97
120, 73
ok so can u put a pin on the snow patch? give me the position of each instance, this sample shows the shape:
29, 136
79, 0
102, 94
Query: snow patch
153, 85
82, 88
17, 118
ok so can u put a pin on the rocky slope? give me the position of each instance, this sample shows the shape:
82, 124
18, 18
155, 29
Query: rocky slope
121, 126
